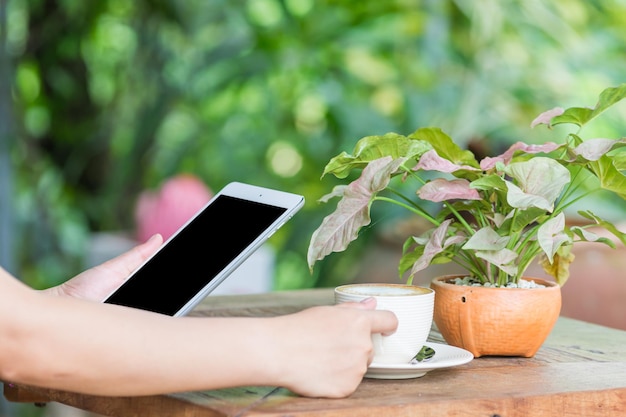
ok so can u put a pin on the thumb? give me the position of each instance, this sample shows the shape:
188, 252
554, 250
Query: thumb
384, 322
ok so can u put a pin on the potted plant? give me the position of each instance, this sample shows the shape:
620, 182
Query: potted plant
493, 217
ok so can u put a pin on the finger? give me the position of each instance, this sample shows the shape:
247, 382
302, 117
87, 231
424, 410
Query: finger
129, 261
384, 322
150, 246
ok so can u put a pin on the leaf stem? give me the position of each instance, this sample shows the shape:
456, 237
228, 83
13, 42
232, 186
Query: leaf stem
469, 265
414, 209
460, 218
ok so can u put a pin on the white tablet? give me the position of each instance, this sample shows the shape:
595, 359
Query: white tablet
203, 252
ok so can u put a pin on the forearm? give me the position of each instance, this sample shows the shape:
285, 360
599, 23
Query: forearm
109, 350
90, 347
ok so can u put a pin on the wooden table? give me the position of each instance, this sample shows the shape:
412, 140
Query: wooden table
580, 371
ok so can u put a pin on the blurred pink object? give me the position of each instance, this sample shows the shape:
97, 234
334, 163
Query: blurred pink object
167, 209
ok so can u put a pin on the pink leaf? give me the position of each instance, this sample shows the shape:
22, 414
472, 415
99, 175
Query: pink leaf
431, 161
594, 149
551, 236
538, 183
433, 247
504, 259
546, 117
490, 162
486, 239
341, 227
336, 192
441, 189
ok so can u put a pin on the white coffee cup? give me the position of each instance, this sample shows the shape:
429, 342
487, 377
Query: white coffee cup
412, 305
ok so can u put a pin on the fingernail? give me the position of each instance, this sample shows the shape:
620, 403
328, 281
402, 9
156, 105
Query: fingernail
154, 237
366, 300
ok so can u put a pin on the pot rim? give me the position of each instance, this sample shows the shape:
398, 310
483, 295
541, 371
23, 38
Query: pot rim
444, 280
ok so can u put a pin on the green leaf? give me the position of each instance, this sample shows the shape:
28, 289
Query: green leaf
588, 236
619, 161
524, 218
604, 224
371, 148
574, 115
445, 146
443, 258
610, 177
411, 256
609, 97
489, 183
582, 115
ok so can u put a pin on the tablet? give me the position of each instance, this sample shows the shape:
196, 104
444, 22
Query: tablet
208, 248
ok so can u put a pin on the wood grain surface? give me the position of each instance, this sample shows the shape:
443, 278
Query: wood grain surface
580, 371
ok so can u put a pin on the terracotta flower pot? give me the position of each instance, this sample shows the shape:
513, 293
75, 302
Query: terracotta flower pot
496, 321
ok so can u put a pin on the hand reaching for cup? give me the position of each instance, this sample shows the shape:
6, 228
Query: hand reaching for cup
331, 346
413, 307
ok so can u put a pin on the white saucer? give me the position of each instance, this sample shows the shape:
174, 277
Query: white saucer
445, 357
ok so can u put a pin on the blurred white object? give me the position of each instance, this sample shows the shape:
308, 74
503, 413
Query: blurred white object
103, 246
253, 276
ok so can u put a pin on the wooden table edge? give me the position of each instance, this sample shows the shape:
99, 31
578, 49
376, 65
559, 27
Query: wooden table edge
110, 406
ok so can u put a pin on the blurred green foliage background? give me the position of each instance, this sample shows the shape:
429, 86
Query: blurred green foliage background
103, 99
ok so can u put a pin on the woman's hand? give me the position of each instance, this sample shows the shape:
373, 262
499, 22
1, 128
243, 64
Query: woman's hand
327, 349
98, 282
